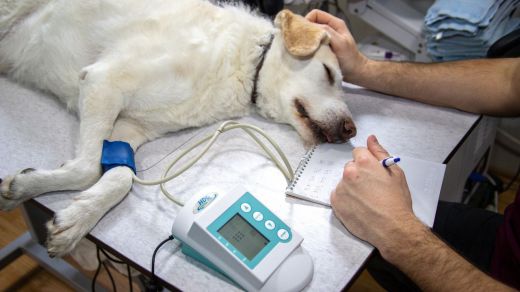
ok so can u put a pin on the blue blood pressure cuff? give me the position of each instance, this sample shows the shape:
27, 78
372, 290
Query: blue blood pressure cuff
117, 153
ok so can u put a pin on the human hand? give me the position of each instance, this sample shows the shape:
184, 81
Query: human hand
372, 201
341, 41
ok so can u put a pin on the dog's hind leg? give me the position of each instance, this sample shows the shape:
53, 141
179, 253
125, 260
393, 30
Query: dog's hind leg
74, 222
99, 106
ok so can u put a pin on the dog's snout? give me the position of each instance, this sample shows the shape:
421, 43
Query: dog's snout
336, 128
339, 133
349, 129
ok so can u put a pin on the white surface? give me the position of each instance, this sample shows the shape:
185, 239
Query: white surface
37, 131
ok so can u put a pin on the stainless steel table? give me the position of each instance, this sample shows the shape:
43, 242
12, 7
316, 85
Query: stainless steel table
36, 131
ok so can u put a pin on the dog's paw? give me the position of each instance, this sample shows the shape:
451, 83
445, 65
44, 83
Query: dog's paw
10, 196
8, 204
67, 228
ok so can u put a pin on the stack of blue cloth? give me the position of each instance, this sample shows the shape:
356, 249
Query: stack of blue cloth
465, 29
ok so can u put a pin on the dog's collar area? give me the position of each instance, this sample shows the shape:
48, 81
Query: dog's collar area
254, 92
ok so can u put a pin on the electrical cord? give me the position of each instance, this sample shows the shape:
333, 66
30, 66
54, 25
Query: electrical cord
154, 285
110, 276
129, 278
94, 279
170, 153
103, 263
283, 166
110, 258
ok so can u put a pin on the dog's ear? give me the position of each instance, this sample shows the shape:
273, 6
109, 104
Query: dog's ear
301, 37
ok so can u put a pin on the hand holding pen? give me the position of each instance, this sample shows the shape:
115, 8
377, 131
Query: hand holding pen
367, 190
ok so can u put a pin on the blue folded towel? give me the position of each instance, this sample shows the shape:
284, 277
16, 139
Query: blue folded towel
471, 11
467, 28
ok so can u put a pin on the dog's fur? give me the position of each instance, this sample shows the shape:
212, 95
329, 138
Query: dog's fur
134, 70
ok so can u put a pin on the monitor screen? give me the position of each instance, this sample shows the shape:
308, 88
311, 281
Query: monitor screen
243, 236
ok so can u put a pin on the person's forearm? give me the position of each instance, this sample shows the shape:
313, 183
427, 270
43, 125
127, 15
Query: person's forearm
480, 86
432, 265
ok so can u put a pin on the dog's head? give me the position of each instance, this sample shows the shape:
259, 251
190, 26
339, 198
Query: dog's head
300, 82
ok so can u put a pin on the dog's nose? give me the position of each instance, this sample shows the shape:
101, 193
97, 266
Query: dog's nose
1, 181
349, 129
343, 131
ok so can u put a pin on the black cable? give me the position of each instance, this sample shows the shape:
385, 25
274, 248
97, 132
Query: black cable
129, 278
156, 287
154, 277
155, 253
93, 286
110, 275
98, 270
110, 258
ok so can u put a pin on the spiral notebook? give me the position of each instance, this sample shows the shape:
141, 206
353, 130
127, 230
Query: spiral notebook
321, 168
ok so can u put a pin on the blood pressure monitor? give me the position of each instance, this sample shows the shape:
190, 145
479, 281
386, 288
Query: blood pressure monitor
237, 235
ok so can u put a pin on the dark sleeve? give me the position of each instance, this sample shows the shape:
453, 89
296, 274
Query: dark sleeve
505, 265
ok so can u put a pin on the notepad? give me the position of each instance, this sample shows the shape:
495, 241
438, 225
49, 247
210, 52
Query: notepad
321, 168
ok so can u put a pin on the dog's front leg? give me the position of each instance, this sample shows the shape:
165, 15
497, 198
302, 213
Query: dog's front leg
74, 222
99, 106
71, 224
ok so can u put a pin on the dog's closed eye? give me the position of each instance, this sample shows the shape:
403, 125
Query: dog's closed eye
330, 75
300, 108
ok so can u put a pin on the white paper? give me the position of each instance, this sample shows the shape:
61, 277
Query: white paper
322, 168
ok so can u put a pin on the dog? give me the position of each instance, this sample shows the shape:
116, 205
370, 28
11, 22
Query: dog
134, 70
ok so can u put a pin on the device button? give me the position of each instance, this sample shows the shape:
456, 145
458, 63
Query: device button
269, 225
258, 216
283, 234
245, 207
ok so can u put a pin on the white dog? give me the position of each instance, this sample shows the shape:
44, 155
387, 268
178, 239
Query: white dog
134, 70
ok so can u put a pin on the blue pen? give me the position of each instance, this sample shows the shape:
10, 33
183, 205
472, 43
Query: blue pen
389, 161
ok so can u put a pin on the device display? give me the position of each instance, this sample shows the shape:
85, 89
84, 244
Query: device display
243, 236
